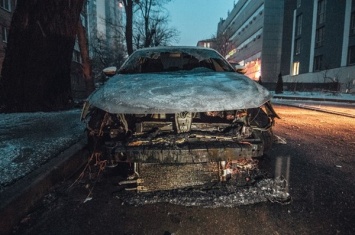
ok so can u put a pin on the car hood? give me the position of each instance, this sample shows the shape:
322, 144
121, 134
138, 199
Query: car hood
178, 92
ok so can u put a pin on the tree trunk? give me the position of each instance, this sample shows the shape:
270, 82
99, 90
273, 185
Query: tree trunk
36, 68
86, 63
128, 4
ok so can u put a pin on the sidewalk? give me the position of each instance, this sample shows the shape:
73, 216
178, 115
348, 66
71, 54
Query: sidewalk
316, 96
37, 151
338, 103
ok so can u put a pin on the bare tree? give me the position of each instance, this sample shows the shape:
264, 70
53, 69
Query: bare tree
158, 33
326, 76
108, 52
36, 68
163, 34
129, 5
222, 42
349, 84
151, 28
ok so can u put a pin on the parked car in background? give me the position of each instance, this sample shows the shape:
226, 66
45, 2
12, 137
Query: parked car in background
182, 116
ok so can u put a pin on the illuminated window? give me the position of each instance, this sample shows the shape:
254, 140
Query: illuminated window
318, 61
4, 33
207, 44
296, 68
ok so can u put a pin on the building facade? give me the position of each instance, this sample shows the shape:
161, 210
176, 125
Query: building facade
102, 21
7, 8
254, 28
319, 42
208, 43
105, 27
310, 42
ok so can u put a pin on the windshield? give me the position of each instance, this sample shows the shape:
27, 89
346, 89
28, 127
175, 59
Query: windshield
172, 59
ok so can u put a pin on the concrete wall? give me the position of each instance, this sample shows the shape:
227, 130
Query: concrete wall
344, 75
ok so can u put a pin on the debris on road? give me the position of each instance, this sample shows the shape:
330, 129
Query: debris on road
279, 140
218, 195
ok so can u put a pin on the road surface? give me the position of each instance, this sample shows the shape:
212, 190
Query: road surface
317, 157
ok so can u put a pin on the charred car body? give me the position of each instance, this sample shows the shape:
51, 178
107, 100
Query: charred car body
181, 115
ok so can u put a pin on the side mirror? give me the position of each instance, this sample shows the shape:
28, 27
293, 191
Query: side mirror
240, 69
110, 71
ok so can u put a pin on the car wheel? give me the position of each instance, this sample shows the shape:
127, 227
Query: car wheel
266, 138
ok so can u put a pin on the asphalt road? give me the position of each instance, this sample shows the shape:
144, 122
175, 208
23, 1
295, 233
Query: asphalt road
318, 160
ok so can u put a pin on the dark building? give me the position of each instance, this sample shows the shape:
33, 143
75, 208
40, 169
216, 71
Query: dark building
318, 43
254, 28
310, 42
105, 28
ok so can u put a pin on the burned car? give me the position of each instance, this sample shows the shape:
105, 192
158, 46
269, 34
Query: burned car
181, 116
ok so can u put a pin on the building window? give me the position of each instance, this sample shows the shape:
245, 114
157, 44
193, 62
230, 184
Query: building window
76, 56
4, 34
296, 68
207, 44
321, 12
298, 3
298, 46
352, 23
82, 19
320, 37
298, 25
351, 55
6, 4
318, 60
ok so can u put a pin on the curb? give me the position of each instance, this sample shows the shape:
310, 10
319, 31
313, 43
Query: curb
319, 110
312, 98
20, 198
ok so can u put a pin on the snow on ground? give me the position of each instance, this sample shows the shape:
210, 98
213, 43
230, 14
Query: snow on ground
28, 140
321, 101
318, 95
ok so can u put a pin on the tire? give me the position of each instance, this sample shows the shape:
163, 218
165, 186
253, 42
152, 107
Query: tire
266, 138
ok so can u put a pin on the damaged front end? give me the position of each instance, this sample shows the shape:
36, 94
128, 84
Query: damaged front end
177, 150
180, 116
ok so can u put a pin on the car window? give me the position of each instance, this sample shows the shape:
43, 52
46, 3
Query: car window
171, 61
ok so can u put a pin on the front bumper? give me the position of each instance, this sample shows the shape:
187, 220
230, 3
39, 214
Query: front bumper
189, 152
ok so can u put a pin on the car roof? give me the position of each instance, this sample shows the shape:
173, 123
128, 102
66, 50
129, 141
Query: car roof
168, 48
